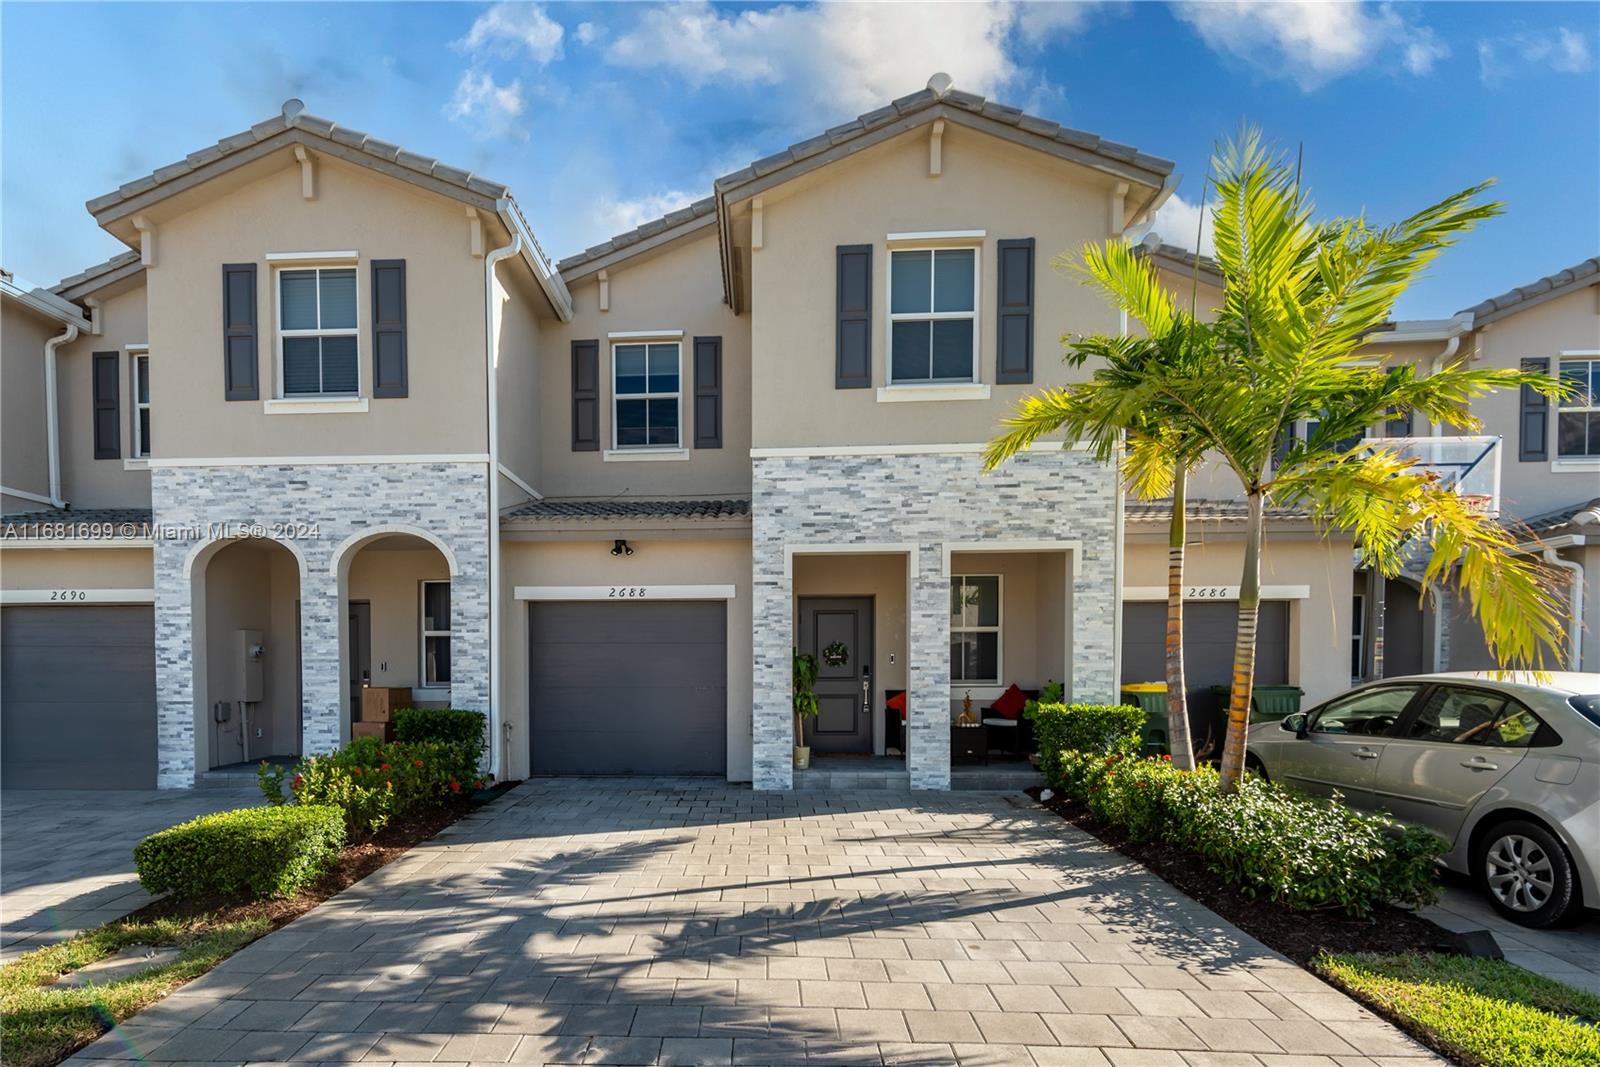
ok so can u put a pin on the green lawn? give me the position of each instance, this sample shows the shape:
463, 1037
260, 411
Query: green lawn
1481, 1011
41, 1024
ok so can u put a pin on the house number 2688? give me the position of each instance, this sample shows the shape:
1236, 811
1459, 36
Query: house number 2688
627, 591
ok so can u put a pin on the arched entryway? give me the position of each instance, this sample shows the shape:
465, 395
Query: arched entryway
246, 634
397, 621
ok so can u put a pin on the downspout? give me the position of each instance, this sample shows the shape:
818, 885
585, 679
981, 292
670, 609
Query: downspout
1575, 626
491, 365
51, 415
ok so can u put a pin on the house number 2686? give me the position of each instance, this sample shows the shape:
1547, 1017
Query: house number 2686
627, 591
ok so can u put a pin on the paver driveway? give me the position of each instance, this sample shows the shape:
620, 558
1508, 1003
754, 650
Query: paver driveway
66, 855
616, 922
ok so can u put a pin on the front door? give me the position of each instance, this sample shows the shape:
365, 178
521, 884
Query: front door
838, 631
360, 634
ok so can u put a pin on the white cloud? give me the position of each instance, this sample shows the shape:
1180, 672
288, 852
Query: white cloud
1311, 42
1178, 223
507, 28
1562, 50
494, 108
832, 59
587, 33
619, 216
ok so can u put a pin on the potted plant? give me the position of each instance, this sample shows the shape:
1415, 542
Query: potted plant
805, 704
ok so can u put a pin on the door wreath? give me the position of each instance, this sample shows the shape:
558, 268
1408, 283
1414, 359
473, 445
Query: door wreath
836, 654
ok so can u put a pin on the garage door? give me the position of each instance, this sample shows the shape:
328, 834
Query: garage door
1209, 630
628, 688
78, 697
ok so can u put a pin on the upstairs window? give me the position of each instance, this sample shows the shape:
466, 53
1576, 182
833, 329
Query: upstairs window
1578, 418
933, 316
646, 395
317, 347
141, 407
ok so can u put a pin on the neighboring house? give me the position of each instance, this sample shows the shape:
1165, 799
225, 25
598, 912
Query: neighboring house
336, 420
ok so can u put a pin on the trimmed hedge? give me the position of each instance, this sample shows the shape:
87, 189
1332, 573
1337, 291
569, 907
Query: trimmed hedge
265, 852
1302, 852
448, 726
371, 782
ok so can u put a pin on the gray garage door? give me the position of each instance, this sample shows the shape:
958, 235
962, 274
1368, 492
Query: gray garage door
78, 697
1208, 634
617, 688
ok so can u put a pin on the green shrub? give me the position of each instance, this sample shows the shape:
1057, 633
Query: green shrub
1090, 729
265, 852
449, 726
371, 781
1302, 852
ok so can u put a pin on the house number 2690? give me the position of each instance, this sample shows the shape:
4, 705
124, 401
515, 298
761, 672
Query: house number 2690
68, 594
627, 591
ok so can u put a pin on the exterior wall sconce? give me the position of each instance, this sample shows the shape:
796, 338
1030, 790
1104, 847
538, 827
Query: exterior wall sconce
621, 548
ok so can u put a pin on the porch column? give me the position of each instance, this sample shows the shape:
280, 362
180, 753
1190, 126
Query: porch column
324, 720
469, 628
1094, 623
176, 712
772, 706
928, 671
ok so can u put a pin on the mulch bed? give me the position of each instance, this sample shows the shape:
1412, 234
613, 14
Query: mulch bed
1299, 935
356, 861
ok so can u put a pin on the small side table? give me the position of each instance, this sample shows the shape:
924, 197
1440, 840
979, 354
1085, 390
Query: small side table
968, 743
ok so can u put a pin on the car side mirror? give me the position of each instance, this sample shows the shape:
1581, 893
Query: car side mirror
1296, 724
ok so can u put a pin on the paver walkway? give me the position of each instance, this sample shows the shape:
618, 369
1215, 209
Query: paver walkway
595, 922
66, 856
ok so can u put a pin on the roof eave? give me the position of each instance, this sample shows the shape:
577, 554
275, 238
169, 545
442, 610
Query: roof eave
47, 304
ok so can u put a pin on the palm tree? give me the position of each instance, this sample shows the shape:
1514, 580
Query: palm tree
1300, 298
1130, 411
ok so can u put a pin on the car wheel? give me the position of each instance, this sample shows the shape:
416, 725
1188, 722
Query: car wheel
1253, 764
1525, 872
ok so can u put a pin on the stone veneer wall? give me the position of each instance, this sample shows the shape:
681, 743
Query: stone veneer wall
447, 500
927, 499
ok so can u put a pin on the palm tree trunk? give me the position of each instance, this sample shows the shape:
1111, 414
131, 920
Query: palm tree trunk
1178, 741
1244, 650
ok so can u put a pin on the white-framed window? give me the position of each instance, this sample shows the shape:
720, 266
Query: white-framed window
318, 344
1578, 417
646, 395
139, 371
1358, 636
435, 617
933, 315
975, 648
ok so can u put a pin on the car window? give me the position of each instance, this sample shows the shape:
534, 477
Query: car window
1473, 717
1370, 712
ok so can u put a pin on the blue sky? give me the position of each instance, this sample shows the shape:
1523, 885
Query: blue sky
603, 115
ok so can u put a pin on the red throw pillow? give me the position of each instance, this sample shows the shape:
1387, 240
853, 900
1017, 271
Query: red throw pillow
898, 703
1011, 703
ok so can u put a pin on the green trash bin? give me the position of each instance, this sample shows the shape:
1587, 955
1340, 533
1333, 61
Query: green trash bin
1150, 698
1268, 703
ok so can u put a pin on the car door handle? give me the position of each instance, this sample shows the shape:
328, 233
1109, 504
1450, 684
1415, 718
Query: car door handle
1478, 763
1365, 753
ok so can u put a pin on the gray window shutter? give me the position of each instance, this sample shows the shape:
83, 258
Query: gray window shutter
1533, 425
586, 396
1014, 351
239, 360
1399, 423
708, 392
853, 356
107, 406
388, 327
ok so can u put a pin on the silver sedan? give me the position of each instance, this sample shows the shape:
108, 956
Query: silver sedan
1504, 766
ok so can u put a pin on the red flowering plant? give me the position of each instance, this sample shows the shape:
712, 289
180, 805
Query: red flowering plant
372, 782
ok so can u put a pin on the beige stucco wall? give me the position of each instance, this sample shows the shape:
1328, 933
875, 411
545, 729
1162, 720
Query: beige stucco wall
76, 568
1319, 639
1567, 323
24, 463
518, 376
87, 482
670, 558
677, 288
881, 577
390, 580
354, 210
1005, 190
252, 585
